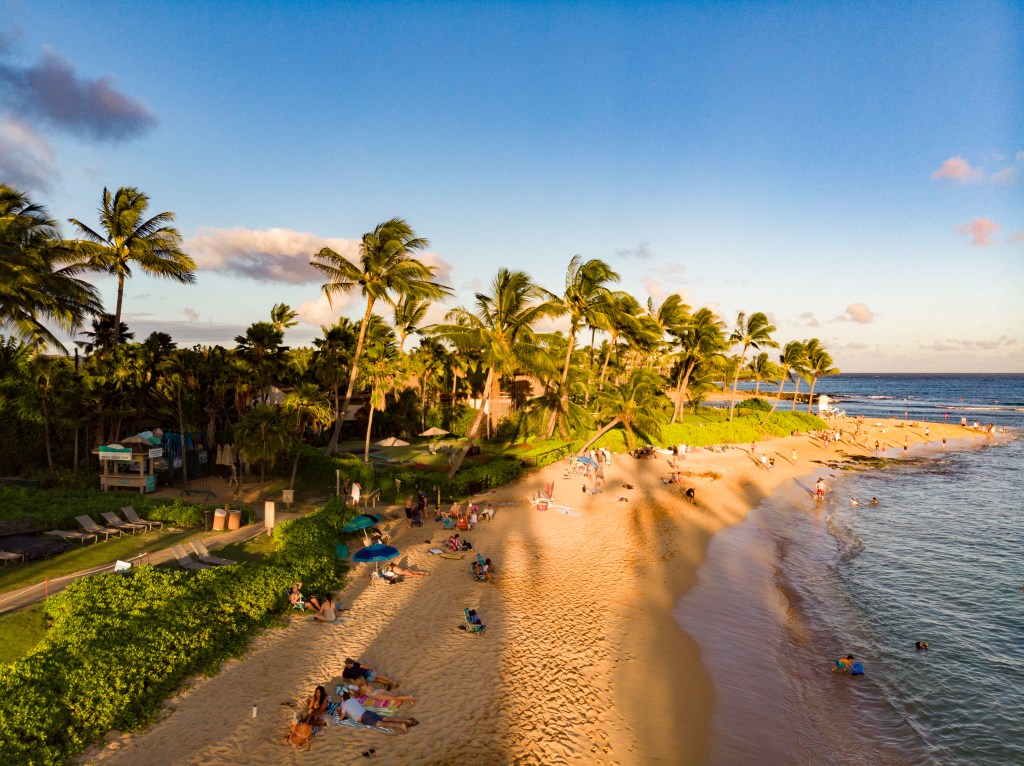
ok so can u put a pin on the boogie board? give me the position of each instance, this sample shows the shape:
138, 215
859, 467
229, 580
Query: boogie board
856, 669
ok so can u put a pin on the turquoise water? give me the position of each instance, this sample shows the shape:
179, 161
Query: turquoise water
940, 558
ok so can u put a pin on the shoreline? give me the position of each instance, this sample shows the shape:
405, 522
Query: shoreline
582, 662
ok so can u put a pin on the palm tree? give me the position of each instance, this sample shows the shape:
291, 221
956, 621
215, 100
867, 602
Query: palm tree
701, 340
309, 407
103, 336
38, 274
329, 362
761, 368
501, 331
261, 349
283, 316
261, 436
179, 370
408, 313
387, 271
819, 365
753, 333
586, 293
617, 316
792, 359
379, 376
639, 404
128, 237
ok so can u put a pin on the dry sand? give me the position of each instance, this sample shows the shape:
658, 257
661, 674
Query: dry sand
581, 662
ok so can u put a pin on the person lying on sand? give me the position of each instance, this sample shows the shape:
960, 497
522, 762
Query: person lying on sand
360, 688
350, 708
403, 572
354, 670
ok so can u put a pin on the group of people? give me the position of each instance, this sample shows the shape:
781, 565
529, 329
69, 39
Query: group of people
416, 509
324, 610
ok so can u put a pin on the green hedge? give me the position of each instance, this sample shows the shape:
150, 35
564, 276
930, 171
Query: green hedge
315, 466
121, 643
57, 508
468, 481
743, 429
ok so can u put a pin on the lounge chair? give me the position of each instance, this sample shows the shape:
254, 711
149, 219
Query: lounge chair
17, 558
65, 534
185, 561
472, 627
91, 526
132, 516
125, 526
206, 557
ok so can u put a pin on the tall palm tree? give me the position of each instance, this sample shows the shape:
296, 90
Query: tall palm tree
128, 237
387, 271
39, 282
408, 314
793, 359
639, 404
379, 376
500, 329
586, 294
330, 361
179, 376
819, 365
261, 436
700, 340
103, 335
261, 347
753, 333
307, 404
798, 370
617, 316
283, 316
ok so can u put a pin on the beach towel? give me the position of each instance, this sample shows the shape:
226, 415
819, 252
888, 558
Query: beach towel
435, 551
453, 555
356, 725
386, 708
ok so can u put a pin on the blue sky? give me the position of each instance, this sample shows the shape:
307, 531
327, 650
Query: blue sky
854, 170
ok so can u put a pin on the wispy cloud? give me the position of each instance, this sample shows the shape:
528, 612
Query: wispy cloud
190, 314
977, 344
53, 91
26, 159
957, 169
641, 252
980, 230
1005, 177
856, 312
809, 319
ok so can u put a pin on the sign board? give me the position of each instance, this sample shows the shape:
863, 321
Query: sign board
123, 455
268, 514
156, 452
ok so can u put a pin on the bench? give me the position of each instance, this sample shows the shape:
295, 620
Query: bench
198, 488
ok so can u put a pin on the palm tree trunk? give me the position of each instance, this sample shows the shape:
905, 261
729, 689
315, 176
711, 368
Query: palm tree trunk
77, 439
778, 396
181, 427
604, 366
298, 451
263, 475
614, 422
369, 428
332, 444
565, 394
735, 383
117, 311
355, 365
796, 391
810, 396
473, 429
46, 434
682, 392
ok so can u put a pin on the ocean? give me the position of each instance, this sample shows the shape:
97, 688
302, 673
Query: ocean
939, 559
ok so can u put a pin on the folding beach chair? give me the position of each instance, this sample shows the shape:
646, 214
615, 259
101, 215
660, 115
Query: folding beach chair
471, 626
185, 561
132, 516
91, 526
477, 568
125, 526
206, 557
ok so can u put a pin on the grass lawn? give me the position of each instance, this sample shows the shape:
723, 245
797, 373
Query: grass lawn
20, 631
256, 549
75, 559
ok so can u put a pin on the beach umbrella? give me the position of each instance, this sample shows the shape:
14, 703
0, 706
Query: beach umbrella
587, 461
434, 431
375, 553
392, 441
362, 521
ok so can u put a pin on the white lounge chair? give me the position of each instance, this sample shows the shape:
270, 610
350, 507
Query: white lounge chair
71, 537
91, 526
206, 557
185, 561
132, 516
125, 526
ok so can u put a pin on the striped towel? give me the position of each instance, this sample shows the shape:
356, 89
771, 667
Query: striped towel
356, 725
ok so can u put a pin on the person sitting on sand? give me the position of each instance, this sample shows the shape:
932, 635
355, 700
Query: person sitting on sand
350, 708
488, 512
455, 544
474, 618
354, 670
473, 517
403, 572
316, 707
327, 611
843, 664
359, 688
298, 601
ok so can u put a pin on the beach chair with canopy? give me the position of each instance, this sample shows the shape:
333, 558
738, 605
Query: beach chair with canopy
125, 526
71, 537
206, 557
91, 526
185, 561
132, 516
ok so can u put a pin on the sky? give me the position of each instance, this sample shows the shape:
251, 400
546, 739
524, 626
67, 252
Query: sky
853, 170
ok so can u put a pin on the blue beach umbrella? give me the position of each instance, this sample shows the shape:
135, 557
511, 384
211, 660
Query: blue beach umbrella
362, 521
587, 461
375, 553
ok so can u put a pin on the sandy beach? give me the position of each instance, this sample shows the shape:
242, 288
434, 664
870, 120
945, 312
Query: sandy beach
581, 662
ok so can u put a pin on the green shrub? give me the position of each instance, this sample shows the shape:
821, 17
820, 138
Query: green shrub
318, 468
755, 404
743, 429
468, 481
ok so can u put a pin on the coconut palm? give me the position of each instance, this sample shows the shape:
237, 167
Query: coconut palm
179, 376
408, 314
261, 348
283, 316
308, 406
639, 404
618, 315
500, 329
793, 359
39, 282
387, 271
128, 237
103, 335
586, 294
330, 363
819, 365
700, 340
753, 333
378, 374
760, 368
261, 436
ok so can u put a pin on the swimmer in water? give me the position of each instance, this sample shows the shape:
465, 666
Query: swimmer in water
874, 501
853, 502
922, 646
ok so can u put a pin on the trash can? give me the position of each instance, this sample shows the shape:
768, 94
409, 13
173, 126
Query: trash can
234, 519
220, 518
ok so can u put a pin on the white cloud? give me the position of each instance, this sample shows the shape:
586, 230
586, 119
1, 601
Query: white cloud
808, 318
26, 159
980, 230
190, 314
320, 312
957, 169
641, 251
856, 312
1005, 177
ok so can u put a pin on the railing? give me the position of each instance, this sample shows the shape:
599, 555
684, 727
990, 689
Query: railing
371, 497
